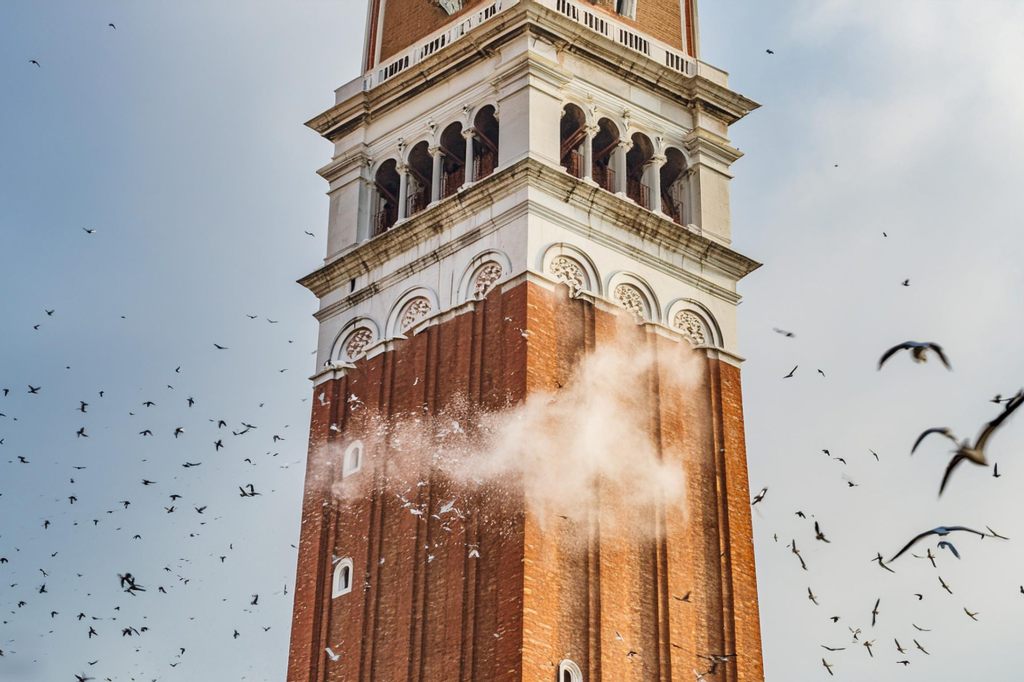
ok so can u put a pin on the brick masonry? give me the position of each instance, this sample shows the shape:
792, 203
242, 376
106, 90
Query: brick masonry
423, 610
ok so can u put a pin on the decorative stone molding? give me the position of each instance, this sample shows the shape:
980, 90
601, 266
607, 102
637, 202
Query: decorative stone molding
414, 311
569, 272
356, 342
632, 299
485, 278
692, 327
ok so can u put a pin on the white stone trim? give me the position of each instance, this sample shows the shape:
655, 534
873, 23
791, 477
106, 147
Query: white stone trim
568, 666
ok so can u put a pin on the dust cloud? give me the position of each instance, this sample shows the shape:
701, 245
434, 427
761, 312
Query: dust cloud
587, 452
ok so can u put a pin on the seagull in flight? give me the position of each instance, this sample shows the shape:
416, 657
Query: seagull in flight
89, 230
941, 531
918, 351
976, 452
33, 61
791, 373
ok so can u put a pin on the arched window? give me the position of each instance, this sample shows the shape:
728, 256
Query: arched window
387, 183
421, 170
638, 185
342, 578
568, 671
485, 142
353, 459
605, 143
453, 166
674, 186
573, 135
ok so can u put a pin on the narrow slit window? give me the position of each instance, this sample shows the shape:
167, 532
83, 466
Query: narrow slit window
342, 578
568, 671
353, 459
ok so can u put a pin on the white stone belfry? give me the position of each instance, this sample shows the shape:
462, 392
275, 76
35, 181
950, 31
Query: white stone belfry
607, 171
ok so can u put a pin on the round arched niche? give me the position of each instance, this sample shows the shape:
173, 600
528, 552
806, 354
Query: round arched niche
694, 322
411, 308
354, 339
486, 271
635, 295
568, 265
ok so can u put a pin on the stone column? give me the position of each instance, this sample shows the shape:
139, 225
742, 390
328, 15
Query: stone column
654, 181
619, 168
468, 134
435, 177
588, 153
403, 190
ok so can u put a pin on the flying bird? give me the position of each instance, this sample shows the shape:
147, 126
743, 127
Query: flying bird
950, 546
828, 666
783, 332
791, 372
796, 551
941, 531
33, 61
874, 612
918, 351
759, 496
975, 453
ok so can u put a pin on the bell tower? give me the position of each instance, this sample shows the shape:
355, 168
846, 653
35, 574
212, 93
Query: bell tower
518, 187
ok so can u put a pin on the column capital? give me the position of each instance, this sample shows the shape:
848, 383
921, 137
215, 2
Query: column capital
402, 168
624, 144
468, 132
657, 161
435, 150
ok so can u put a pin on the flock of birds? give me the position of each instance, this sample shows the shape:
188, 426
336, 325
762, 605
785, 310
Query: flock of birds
975, 451
80, 501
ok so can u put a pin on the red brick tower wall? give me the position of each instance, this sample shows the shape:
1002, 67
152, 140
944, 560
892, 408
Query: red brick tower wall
423, 609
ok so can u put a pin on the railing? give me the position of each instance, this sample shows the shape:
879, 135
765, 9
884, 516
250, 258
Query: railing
384, 220
638, 192
574, 164
417, 202
484, 164
437, 40
598, 22
604, 176
625, 34
451, 182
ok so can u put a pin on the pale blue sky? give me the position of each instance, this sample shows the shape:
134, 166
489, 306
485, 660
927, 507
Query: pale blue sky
179, 138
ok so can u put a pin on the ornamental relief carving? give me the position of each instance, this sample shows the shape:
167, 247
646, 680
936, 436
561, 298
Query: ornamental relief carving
570, 273
486, 276
691, 326
630, 298
414, 311
356, 343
